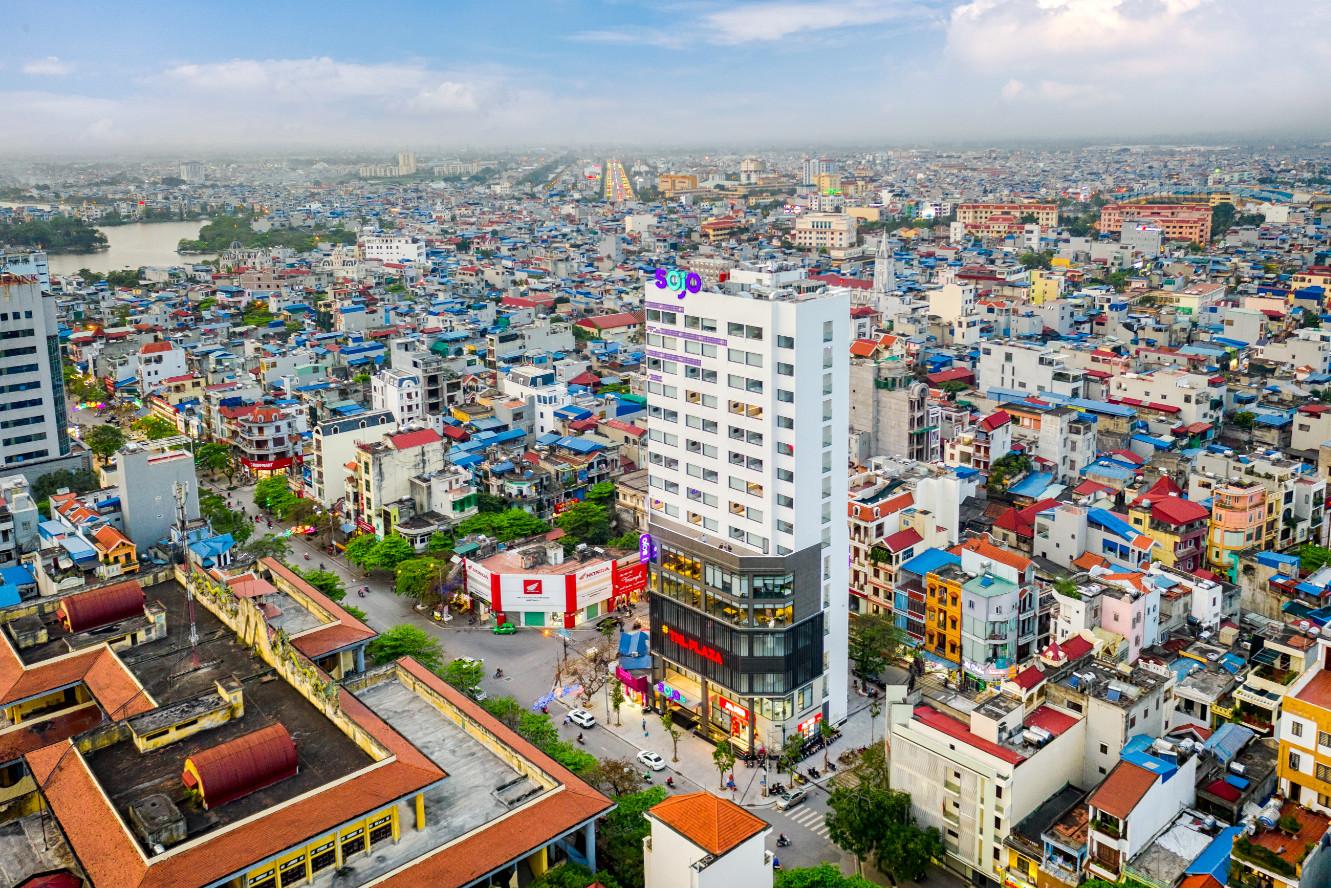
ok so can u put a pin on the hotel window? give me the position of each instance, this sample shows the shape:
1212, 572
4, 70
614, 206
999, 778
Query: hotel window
1296, 728
1293, 761
785, 342
1324, 739
1323, 773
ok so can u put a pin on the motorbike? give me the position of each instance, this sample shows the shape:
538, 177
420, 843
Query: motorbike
670, 782
782, 841
499, 674
776, 789
307, 557
813, 773
580, 741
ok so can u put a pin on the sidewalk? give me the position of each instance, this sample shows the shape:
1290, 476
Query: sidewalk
696, 770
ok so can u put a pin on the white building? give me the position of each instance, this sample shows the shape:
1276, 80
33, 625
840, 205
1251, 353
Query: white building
391, 248
752, 540
400, 392
1028, 368
539, 388
32, 394
28, 264
334, 445
157, 362
702, 840
1199, 398
192, 171
830, 231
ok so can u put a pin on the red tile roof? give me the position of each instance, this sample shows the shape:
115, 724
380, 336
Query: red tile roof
1056, 722
996, 420
1030, 677
404, 440
612, 322
957, 729
709, 822
1124, 787
902, 540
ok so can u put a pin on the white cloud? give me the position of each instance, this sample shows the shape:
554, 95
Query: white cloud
631, 36
776, 20
1012, 89
51, 66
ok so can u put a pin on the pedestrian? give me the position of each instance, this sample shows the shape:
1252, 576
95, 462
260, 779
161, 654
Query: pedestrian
644, 725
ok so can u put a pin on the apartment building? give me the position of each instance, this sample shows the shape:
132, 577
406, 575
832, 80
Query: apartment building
825, 231
979, 444
1199, 398
1180, 222
1032, 368
34, 432
333, 445
383, 473
978, 214
1176, 524
890, 411
391, 248
33, 264
749, 607
267, 440
400, 393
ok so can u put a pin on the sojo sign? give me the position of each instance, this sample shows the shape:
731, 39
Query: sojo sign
679, 281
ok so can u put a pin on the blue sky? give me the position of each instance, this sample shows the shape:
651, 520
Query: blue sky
88, 78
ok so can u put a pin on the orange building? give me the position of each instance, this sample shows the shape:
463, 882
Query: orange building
1181, 222
1241, 518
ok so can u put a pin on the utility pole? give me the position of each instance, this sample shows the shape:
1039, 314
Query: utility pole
182, 532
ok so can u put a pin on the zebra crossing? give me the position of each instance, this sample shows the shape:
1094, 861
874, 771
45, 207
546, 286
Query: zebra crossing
811, 820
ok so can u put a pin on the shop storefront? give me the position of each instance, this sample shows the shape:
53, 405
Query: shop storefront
637, 686
553, 596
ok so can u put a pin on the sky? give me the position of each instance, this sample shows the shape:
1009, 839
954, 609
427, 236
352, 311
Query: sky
87, 79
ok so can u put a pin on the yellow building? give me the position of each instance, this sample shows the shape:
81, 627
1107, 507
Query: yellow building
942, 613
673, 183
827, 183
1045, 287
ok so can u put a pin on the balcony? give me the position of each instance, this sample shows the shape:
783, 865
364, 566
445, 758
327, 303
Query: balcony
1108, 828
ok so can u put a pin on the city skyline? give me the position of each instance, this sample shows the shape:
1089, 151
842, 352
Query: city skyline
299, 77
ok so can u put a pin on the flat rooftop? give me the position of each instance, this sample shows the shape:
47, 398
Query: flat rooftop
172, 675
1318, 690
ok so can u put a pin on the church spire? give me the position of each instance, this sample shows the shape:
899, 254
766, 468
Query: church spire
884, 269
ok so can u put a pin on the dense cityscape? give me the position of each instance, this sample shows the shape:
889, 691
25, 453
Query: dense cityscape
364, 519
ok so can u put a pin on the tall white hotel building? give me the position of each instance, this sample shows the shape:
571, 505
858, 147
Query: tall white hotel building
748, 442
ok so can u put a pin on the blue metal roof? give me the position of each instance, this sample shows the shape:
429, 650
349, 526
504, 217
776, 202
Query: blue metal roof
1032, 485
932, 559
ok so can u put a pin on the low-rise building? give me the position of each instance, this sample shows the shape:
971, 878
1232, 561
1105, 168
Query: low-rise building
701, 840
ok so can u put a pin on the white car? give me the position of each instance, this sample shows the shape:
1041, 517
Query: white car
581, 718
651, 760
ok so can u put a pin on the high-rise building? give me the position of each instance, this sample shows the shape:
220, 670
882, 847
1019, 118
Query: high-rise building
32, 264
192, 171
32, 390
406, 163
749, 539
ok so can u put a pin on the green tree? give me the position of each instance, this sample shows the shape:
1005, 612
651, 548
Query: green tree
908, 849
490, 503
572, 874
723, 757
212, 457
80, 481
273, 494
439, 542
616, 777
627, 540
617, 700
153, 427
359, 550
790, 755
390, 552
874, 641
269, 546
1243, 419
224, 520
419, 578
511, 524
668, 723
405, 640
822, 875
325, 582
601, 492
585, 523
619, 835
1222, 218
104, 440
464, 674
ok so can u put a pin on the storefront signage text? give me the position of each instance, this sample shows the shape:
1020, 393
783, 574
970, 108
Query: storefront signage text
810, 725
646, 548
678, 280
705, 652
670, 693
733, 709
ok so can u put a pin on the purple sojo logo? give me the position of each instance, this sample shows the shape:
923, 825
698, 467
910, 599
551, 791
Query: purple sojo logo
679, 281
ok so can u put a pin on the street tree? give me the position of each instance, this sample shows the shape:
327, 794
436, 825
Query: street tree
723, 757
617, 699
602, 493
419, 578
821, 876
269, 546
273, 494
405, 640
153, 427
668, 723
619, 835
325, 582
438, 543
591, 670
391, 552
360, 549
104, 441
790, 755
874, 641
224, 520
826, 732
464, 674
616, 777
212, 457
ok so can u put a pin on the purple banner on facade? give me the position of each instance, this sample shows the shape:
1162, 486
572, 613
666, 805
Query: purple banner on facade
671, 356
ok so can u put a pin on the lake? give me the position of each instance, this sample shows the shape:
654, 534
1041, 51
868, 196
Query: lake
132, 246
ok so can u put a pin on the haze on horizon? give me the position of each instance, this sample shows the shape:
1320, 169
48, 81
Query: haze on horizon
303, 76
